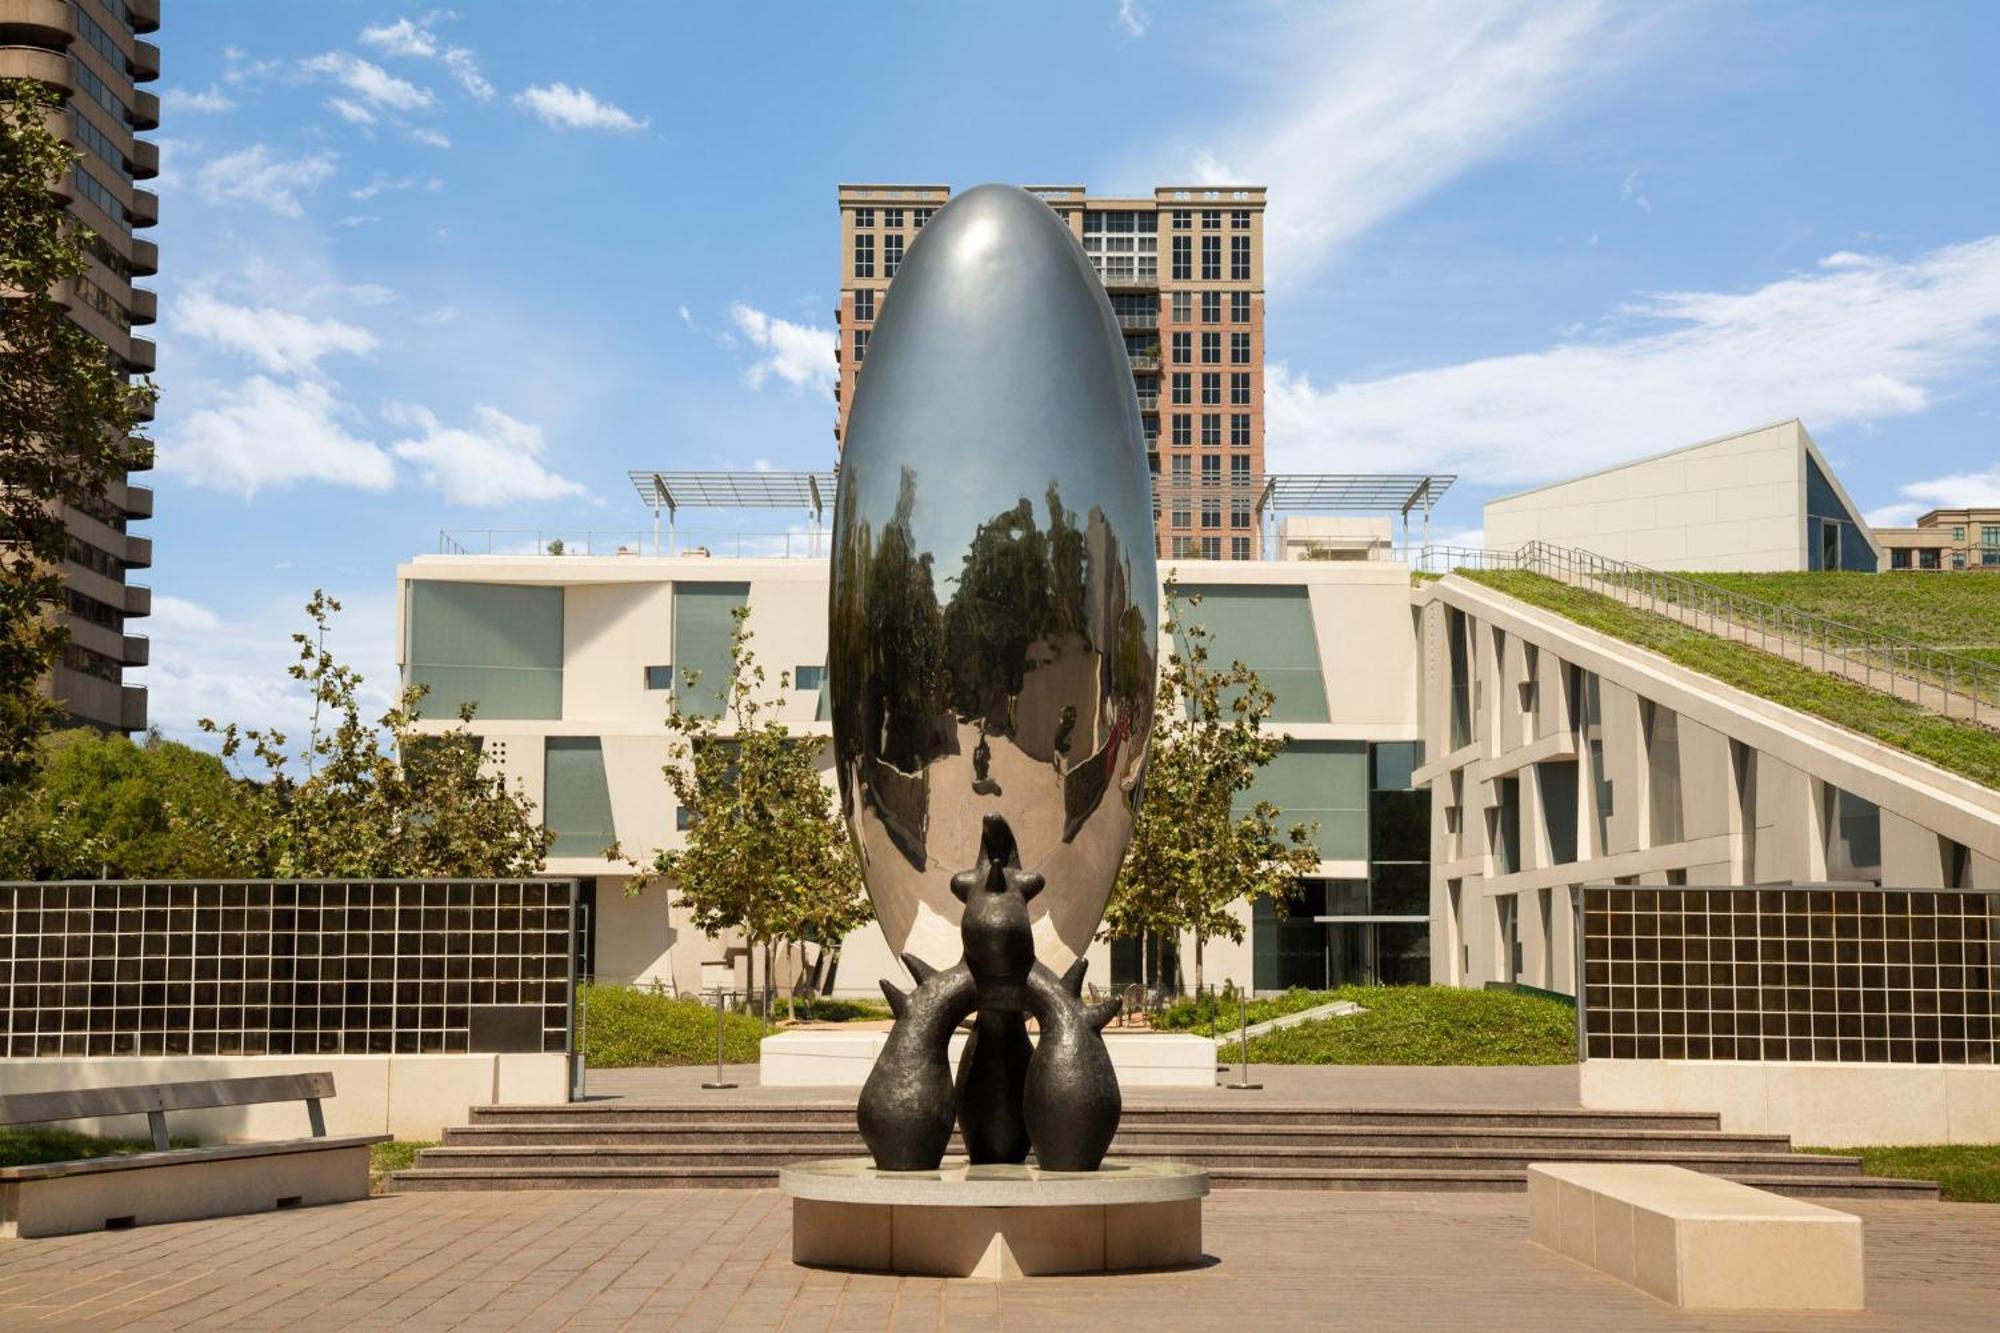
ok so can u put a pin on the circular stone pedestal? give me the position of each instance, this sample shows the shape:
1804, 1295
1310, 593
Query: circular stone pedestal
994, 1221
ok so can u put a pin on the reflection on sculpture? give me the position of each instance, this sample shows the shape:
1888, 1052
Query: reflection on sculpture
991, 669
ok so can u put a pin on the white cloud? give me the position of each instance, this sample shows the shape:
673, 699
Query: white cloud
383, 183
565, 108
278, 340
495, 461
1133, 19
373, 84
799, 354
1960, 490
210, 101
264, 433
350, 111
401, 38
1378, 104
251, 175
431, 138
1861, 340
358, 220
466, 70
1631, 193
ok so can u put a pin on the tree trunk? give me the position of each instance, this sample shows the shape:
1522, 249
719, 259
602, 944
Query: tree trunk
1199, 940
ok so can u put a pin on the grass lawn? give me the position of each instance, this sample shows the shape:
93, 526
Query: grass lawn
1403, 1025
34, 1145
385, 1158
1961, 612
1965, 1172
624, 1028
1959, 747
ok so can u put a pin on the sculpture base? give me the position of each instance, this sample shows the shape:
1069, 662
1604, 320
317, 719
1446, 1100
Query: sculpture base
997, 1222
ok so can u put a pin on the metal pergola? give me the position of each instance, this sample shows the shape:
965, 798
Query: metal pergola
667, 493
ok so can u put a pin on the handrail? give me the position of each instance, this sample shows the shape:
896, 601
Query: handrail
1936, 679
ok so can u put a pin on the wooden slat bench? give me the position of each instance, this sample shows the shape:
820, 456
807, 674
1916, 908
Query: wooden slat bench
1697, 1241
177, 1184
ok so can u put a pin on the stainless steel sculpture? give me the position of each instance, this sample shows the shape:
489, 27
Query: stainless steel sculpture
992, 662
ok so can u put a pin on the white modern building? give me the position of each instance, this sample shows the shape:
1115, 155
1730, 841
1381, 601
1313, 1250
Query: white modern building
1763, 499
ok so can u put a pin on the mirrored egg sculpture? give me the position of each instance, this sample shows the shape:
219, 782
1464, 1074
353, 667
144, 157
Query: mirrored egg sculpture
992, 654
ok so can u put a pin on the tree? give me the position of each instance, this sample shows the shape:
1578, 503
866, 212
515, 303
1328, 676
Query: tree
765, 853
66, 416
1196, 849
421, 807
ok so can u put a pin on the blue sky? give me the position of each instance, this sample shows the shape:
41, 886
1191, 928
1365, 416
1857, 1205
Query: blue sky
425, 270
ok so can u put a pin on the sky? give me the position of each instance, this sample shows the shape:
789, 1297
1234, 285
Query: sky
432, 271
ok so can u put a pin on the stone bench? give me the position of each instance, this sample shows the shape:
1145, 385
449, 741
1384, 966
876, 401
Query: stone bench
1697, 1241
178, 1184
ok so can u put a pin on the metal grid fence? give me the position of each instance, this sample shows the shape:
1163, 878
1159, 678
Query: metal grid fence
334, 967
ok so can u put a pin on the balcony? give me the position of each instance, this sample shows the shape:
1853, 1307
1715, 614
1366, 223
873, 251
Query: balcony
137, 502
1139, 323
136, 652
29, 62
1146, 361
138, 552
138, 600
140, 459
143, 15
144, 210
145, 305
145, 258
143, 357
1149, 402
144, 113
36, 22
144, 62
144, 159
132, 707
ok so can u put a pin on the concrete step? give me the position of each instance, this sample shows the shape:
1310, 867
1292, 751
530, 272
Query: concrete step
1145, 1131
1213, 1156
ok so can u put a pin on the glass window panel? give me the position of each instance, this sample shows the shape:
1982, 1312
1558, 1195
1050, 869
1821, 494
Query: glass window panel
704, 616
1270, 629
576, 800
498, 646
1557, 780
1400, 826
1323, 781
1400, 890
1394, 764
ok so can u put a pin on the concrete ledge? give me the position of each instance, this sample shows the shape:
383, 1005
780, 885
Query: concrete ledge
995, 1222
1697, 1241
1818, 1105
826, 1058
406, 1096
223, 1186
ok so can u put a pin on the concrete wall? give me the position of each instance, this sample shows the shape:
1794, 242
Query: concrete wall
1735, 503
409, 1096
1819, 1105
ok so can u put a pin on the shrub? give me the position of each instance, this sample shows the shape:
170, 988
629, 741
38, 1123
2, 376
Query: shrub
1427, 1025
624, 1027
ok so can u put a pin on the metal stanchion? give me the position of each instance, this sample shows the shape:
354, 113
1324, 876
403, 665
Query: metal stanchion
1243, 1020
718, 1085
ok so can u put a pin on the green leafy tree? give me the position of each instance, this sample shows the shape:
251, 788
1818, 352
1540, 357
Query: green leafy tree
377, 799
1196, 849
103, 805
765, 854
66, 416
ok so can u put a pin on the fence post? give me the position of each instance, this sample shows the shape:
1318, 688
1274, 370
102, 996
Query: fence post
719, 1084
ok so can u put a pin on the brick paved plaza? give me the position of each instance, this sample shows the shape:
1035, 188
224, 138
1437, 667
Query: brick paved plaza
702, 1259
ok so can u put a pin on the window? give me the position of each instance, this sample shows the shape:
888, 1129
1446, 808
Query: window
1899, 557
1183, 267
1239, 349
98, 142
1239, 431
497, 645
864, 217
1211, 349
864, 305
1183, 219
1239, 512
893, 217
1506, 827
921, 216
1958, 534
1239, 218
1239, 388
576, 799
1183, 548
1239, 307
659, 677
1239, 258
1239, 548
1989, 534
1928, 559
1211, 430
1239, 470
1183, 429
1211, 219
1183, 470
1958, 560
1183, 388
1662, 735
1211, 470
704, 618
864, 256
100, 194
1183, 515
1557, 779
1853, 837
1211, 548
808, 677
100, 91
860, 346
1183, 307
892, 254
1211, 258
1211, 389
1122, 244
1211, 514
1183, 345
1270, 627
1211, 307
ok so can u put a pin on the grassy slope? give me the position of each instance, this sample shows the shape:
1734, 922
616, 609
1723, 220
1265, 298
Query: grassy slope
1403, 1025
1958, 747
1960, 612
1965, 1173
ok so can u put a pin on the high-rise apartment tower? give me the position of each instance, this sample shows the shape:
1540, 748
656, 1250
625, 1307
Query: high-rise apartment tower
1185, 272
91, 54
